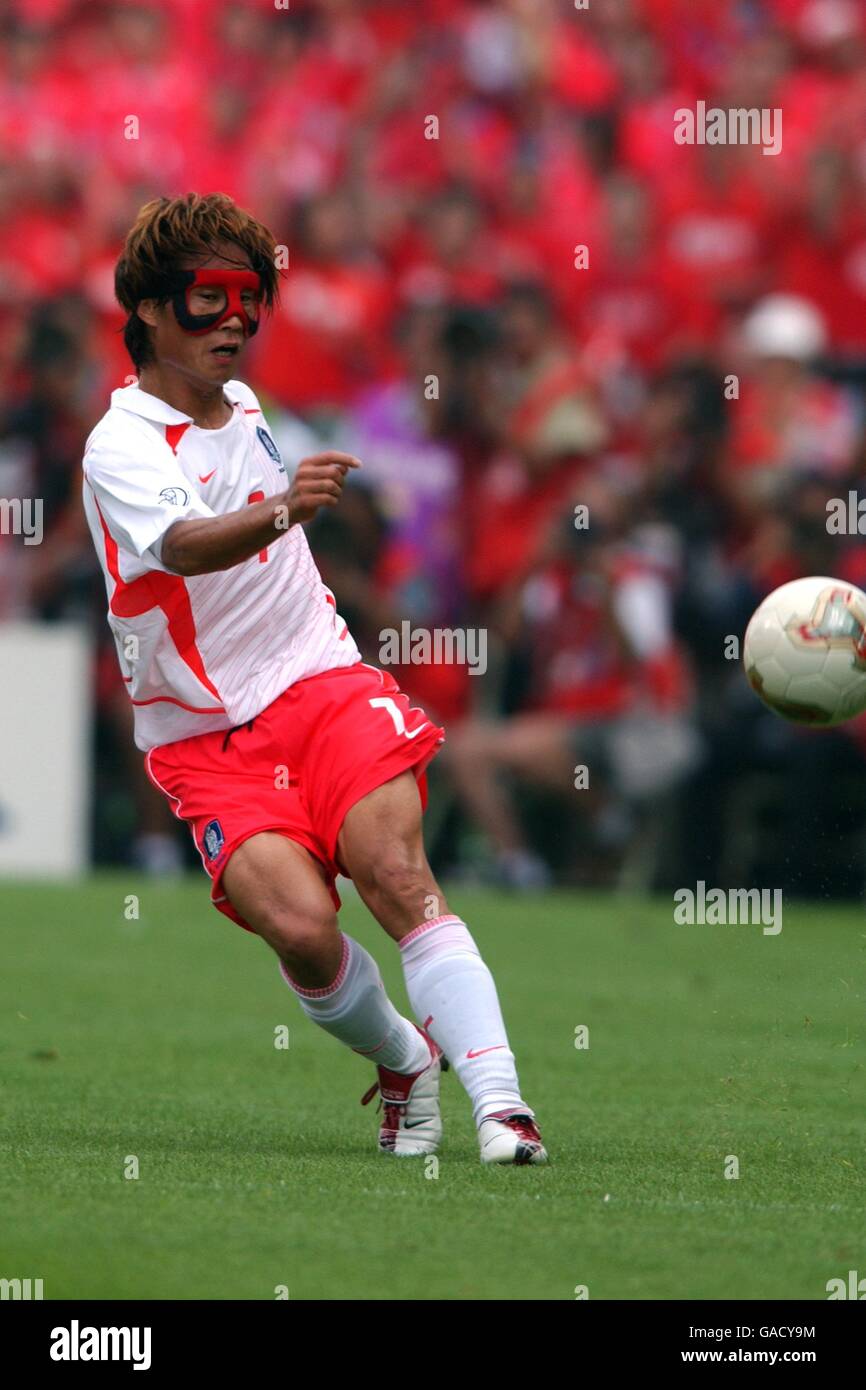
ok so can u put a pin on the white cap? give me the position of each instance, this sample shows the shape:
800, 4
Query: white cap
783, 325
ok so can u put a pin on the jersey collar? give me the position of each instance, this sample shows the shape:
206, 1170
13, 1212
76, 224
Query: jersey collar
138, 402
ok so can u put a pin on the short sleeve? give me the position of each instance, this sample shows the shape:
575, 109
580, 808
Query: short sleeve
141, 491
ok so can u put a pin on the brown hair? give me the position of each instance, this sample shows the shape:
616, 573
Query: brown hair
170, 231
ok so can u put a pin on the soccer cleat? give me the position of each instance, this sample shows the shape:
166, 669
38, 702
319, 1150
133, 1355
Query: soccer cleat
510, 1136
411, 1124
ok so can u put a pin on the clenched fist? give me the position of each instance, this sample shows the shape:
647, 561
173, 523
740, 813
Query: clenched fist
317, 483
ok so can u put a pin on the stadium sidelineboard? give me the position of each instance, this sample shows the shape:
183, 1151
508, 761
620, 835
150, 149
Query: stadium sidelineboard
45, 718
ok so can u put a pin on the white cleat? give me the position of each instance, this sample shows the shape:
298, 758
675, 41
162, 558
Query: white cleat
510, 1136
411, 1124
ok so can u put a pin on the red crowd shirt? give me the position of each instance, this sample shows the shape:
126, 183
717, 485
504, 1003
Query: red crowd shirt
325, 340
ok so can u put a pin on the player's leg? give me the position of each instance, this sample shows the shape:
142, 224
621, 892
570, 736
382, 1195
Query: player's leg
449, 986
280, 890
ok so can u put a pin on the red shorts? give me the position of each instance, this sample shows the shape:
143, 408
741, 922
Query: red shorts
297, 768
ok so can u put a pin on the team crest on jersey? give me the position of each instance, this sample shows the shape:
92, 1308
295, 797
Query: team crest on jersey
175, 496
270, 447
214, 839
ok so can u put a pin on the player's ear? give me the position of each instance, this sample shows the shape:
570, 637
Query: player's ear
148, 312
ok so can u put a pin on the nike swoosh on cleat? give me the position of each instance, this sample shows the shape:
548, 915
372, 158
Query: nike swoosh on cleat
482, 1050
413, 1124
207, 477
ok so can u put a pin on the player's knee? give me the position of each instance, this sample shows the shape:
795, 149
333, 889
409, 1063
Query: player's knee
296, 932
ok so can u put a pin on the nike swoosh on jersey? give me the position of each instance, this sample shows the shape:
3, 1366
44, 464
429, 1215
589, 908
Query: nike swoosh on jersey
482, 1050
207, 477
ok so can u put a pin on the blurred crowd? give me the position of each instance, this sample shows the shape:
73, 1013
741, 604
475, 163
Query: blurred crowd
602, 383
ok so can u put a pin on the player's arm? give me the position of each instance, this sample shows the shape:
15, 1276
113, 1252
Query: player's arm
206, 545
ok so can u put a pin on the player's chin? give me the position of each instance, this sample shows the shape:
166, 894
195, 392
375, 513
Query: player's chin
220, 363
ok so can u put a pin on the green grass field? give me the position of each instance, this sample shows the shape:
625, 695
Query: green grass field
258, 1167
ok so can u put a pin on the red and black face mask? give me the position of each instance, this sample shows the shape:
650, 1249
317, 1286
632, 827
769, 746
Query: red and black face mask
226, 287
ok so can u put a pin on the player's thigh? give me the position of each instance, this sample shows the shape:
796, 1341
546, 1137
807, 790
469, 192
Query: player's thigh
281, 890
381, 844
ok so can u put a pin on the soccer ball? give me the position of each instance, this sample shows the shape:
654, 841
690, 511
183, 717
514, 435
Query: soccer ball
805, 651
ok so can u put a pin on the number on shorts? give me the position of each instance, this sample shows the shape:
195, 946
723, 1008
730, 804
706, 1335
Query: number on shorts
385, 702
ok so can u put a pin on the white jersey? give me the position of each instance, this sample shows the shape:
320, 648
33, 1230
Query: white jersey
209, 651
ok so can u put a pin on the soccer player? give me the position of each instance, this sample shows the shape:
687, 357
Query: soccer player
290, 759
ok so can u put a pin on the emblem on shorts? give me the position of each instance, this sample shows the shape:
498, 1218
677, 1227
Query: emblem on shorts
214, 839
270, 447
175, 496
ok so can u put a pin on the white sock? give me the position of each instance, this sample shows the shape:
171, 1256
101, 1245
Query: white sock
452, 991
356, 1009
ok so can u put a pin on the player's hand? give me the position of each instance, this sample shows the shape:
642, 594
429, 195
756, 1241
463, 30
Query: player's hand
317, 483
